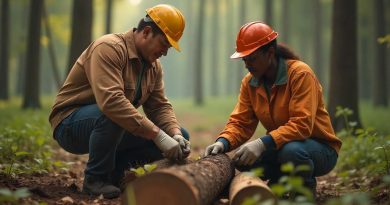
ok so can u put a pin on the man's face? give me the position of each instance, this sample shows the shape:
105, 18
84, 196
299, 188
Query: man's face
154, 45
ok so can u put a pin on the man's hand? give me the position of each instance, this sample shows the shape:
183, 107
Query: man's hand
214, 149
248, 153
184, 144
169, 146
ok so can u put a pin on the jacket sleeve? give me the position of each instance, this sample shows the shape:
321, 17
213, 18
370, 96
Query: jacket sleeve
302, 109
157, 107
105, 76
242, 121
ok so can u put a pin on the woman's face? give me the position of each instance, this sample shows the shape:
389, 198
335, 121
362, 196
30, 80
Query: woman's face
257, 63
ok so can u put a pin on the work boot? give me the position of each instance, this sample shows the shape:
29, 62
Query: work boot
116, 179
95, 186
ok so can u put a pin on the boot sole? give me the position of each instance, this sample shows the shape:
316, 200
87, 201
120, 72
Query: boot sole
105, 195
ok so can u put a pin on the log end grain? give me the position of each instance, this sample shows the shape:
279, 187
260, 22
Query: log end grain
244, 186
160, 188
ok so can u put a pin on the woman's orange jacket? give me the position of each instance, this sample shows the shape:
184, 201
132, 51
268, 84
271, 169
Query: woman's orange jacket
292, 109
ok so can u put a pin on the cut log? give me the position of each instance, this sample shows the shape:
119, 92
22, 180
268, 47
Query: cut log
197, 183
160, 164
165, 163
244, 186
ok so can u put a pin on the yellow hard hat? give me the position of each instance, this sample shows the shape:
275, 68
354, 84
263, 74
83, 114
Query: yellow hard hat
170, 20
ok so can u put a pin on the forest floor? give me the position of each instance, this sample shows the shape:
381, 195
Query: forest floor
64, 187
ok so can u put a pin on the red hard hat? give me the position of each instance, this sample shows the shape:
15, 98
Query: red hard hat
252, 36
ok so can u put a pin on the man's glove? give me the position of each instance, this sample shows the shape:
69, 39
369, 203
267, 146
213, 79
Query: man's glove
248, 153
184, 144
168, 145
214, 149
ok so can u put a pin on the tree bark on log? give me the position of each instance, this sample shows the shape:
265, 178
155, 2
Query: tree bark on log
197, 183
163, 163
245, 186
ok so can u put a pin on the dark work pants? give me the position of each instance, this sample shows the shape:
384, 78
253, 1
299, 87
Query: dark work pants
111, 148
320, 158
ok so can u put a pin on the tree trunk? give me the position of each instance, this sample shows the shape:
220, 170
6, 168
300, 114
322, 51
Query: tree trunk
108, 16
52, 55
244, 186
199, 98
197, 183
4, 57
268, 12
318, 40
380, 77
343, 74
239, 65
31, 88
286, 20
215, 48
81, 29
230, 38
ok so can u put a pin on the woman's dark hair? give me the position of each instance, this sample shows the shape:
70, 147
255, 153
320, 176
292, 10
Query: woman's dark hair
147, 21
282, 50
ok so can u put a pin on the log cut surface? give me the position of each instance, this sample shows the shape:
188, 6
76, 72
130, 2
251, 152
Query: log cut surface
244, 186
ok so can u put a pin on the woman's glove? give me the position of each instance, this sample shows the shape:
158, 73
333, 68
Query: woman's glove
214, 149
248, 153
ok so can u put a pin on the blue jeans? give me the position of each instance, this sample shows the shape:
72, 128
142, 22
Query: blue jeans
111, 148
320, 157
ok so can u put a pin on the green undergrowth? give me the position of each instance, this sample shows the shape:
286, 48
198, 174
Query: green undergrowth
25, 140
26, 144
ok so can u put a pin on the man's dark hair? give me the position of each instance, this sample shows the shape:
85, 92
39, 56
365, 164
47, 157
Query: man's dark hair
147, 21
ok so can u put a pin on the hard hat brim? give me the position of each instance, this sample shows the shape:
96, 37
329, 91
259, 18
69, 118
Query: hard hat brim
173, 43
242, 54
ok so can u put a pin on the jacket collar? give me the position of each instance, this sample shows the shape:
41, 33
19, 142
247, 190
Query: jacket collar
281, 76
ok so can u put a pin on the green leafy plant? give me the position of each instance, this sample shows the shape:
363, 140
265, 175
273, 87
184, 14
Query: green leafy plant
142, 170
256, 199
292, 185
385, 148
358, 150
25, 142
344, 113
358, 198
385, 39
13, 197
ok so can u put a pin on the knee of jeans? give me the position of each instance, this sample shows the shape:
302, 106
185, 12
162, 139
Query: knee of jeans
292, 152
185, 133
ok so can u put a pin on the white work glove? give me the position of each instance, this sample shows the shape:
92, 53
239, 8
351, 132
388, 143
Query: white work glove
185, 145
248, 153
169, 146
214, 149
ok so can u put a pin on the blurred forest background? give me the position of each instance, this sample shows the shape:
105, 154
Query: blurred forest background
346, 43
343, 41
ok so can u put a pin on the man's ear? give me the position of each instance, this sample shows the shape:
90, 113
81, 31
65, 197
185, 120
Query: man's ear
146, 31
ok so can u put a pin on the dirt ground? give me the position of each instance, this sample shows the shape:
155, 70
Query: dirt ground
64, 187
